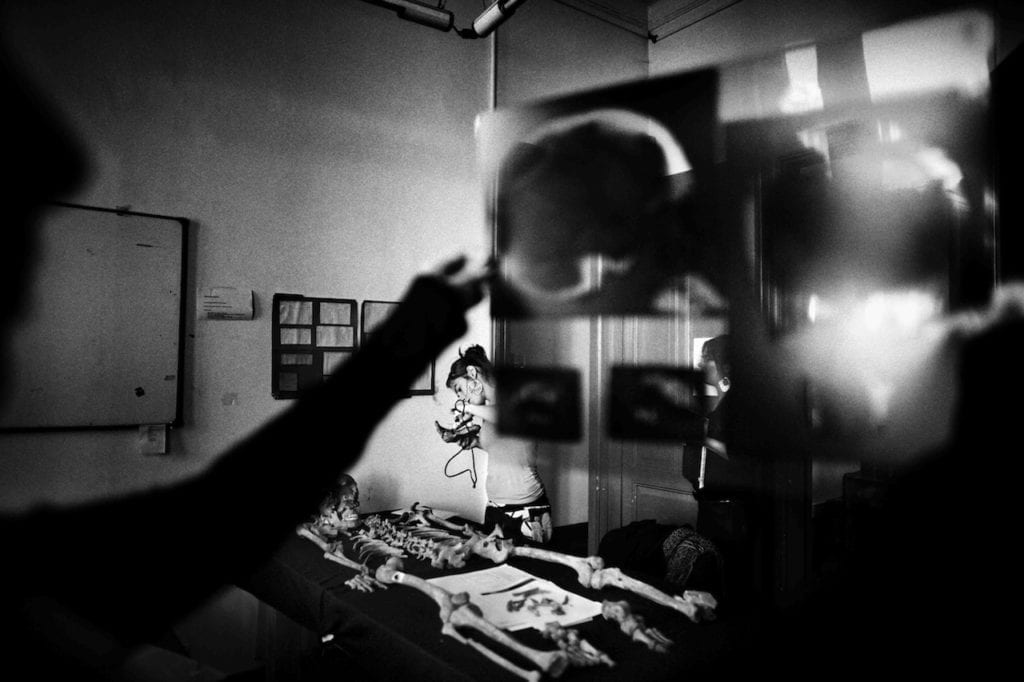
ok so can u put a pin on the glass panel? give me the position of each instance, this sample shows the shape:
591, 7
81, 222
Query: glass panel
335, 313
295, 312
333, 359
296, 336
288, 381
296, 358
335, 337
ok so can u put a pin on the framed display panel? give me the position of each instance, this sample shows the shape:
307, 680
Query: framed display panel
101, 343
311, 338
375, 312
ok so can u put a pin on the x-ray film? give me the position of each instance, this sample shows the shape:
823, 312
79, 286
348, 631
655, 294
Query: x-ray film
600, 197
657, 403
541, 403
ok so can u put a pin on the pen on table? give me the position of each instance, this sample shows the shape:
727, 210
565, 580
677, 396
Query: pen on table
510, 587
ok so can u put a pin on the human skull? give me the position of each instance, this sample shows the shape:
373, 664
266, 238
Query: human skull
348, 502
339, 509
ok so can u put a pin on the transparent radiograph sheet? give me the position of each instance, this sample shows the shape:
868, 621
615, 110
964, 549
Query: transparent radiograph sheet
601, 198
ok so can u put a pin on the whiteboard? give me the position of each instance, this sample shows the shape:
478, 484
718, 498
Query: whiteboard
101, 336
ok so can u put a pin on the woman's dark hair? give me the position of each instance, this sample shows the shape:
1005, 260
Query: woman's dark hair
474, 356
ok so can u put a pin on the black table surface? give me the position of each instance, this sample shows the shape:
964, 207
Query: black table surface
396, 632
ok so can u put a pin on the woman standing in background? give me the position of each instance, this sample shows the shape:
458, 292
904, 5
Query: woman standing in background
516, 499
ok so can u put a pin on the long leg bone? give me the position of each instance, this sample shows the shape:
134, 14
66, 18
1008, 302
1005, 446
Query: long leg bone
696, 605
585, 567
529, 675
457, 611
634, 626
592, 573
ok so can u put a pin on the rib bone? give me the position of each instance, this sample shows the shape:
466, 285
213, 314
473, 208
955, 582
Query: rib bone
363, 582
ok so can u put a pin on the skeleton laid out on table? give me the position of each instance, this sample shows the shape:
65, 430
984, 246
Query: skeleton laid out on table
417, 532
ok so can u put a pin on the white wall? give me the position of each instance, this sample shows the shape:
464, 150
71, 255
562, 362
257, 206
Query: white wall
321, 148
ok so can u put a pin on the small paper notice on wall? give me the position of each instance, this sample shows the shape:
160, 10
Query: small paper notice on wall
225, 303
152, 439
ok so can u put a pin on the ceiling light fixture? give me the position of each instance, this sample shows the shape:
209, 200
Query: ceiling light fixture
492, 17
437, 17
420, 13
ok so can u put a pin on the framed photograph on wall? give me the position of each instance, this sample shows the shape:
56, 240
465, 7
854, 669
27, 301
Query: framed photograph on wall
373, 313
311, 338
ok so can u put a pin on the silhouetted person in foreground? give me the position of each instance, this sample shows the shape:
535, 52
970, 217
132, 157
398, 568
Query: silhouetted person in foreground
81, 585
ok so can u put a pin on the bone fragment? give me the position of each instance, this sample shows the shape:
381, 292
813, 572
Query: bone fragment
580, 651
634, 626
428, 515
364, 582
529, 675
345, 561
493, 546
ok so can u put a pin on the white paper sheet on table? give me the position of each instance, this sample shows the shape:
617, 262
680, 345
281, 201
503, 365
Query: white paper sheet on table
510, 602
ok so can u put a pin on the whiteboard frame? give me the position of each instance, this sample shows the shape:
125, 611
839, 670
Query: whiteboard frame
175, 420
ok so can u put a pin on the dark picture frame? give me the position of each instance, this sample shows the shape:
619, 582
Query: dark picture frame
374, 312
311, 337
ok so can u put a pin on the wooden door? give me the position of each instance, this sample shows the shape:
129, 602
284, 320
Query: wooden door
626, 480
636, 480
